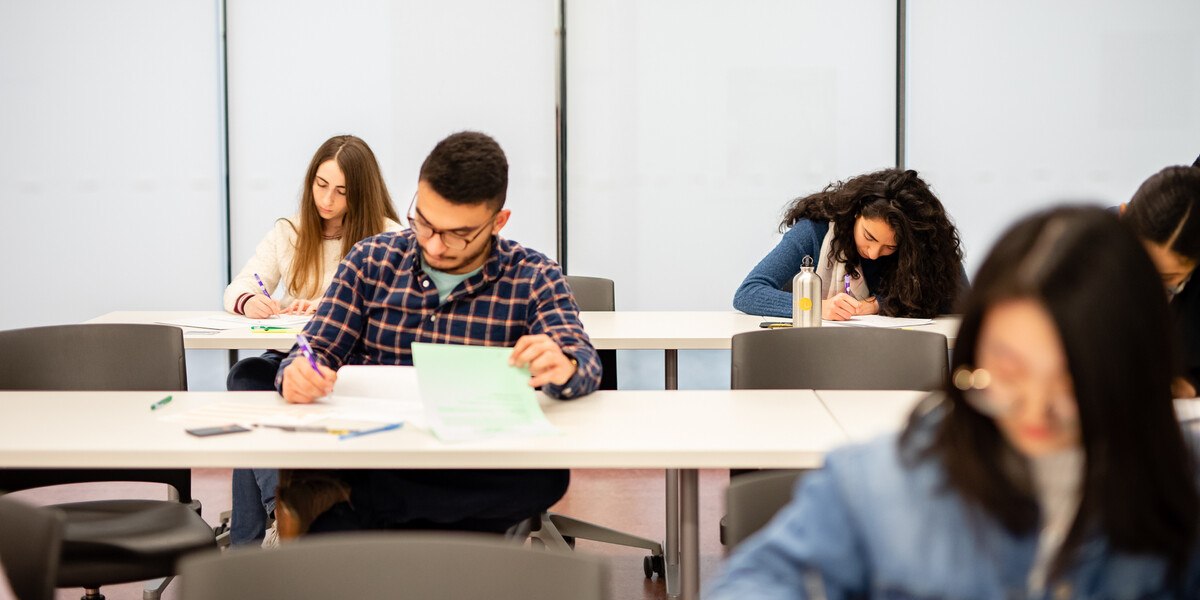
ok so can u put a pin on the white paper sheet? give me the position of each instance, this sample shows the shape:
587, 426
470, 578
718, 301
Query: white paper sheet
228, 321
877, 321
378, 393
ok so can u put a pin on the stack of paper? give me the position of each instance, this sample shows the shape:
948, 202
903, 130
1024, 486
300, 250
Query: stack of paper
471, 392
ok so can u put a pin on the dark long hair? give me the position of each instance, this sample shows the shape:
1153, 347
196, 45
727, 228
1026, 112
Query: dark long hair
368, 204
1165, 210
924, 273
1105, 298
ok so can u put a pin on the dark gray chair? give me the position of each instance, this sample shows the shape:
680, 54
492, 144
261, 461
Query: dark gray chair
394, 565
753, 499
30, 543
839, 358
110, 541
830, 358
597, 293
560, 531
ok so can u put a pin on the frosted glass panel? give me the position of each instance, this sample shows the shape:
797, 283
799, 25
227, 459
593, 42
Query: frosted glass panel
400, 75
1015, 106
108, 118
691, 124
110, 158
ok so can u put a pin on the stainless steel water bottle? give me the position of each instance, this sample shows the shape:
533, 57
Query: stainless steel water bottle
806, 296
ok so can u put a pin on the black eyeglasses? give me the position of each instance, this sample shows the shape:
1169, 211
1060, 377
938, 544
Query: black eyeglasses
452, 240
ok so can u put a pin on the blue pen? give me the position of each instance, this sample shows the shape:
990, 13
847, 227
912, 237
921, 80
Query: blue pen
308, 353
261, 286
354, 434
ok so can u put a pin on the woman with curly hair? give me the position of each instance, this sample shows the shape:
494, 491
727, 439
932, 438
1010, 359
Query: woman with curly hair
884, 232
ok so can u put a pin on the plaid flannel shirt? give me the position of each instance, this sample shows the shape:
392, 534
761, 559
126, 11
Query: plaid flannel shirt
381, 301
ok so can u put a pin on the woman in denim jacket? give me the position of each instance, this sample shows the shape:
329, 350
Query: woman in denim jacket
1051, 467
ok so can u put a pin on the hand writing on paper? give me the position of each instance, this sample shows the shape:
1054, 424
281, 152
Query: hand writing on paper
870, 306
840, 307
302, 307
547, 363
260, 307
302, 385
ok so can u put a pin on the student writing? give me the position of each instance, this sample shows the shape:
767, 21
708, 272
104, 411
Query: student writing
449, 279
886, 230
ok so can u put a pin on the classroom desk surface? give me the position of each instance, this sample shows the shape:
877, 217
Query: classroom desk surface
864, 414
609, 429
685, 430
617, 330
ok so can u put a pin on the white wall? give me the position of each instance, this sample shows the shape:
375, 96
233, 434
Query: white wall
1014, 106
402, 76
109, 160
692, 123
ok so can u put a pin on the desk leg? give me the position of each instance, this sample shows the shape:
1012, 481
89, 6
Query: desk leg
672, 369
671, 360
671, 549
689, 508
233, 358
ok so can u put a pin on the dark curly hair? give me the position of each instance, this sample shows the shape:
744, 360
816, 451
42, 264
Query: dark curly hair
924, 273
468, 167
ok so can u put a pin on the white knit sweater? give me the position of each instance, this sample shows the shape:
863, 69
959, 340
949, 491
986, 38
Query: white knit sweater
272, 261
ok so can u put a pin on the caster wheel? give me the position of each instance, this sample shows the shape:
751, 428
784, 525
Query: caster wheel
652, 565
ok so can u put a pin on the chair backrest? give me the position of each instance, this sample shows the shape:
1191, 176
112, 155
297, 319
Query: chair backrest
593, 293
30, 542
93, 356
597, 293
839, 358
752, 499
395, 565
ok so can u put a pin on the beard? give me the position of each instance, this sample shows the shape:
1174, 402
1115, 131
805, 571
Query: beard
452, 265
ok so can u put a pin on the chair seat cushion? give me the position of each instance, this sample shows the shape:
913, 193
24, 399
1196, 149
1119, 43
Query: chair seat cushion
116, 541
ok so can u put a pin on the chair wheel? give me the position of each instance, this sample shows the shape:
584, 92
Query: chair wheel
652, 565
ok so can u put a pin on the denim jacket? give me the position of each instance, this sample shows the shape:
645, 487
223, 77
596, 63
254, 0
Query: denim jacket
868, 526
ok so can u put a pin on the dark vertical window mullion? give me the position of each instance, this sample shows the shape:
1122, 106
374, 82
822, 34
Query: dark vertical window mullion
560, 155
223, 141
901, 9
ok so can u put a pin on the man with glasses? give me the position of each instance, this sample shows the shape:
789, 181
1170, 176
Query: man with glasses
448, 279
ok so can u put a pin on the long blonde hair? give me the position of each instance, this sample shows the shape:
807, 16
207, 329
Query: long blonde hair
367, 206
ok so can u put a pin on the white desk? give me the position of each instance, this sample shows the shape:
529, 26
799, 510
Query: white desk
863, 415
619, 330
609, 429
669, 331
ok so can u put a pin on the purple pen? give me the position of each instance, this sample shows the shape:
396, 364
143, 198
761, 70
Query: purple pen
848, 285
261, 286
307, 351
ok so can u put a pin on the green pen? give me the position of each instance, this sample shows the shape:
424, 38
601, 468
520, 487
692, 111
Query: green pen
160, 403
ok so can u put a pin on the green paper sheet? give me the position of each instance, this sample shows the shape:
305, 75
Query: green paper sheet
471, 392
